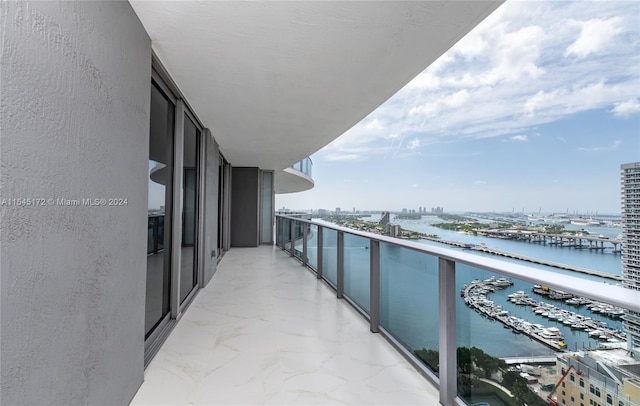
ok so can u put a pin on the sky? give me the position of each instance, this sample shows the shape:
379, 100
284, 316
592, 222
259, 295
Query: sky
534, 110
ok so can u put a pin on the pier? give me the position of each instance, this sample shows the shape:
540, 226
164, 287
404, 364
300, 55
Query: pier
587, 271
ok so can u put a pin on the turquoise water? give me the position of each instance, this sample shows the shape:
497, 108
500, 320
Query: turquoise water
409, 292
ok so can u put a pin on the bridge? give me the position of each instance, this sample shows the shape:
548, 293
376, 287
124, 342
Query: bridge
548, 360
577, 241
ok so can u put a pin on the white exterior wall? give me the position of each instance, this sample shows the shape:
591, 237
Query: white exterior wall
75, 90
631, 245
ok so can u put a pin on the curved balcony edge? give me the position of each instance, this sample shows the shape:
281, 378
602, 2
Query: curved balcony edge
291, 180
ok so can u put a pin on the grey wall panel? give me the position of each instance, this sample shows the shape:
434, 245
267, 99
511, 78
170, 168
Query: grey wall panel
74, 125
245, 207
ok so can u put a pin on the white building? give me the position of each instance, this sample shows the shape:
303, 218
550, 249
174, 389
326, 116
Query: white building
631, 245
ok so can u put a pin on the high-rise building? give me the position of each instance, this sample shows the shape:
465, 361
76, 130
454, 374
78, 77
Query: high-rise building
631, 245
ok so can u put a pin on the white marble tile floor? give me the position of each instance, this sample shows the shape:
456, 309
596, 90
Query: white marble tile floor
265, 331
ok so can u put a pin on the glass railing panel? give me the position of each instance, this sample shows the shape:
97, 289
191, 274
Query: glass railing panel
312, 246
279, 231
357, 270
298, 230
409, 300
287, 234
304, 166
330, 255
500, 319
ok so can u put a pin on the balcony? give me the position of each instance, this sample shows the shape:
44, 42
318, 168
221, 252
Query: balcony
268, 330
295, 178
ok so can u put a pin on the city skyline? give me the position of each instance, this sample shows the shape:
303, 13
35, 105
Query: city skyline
534, 110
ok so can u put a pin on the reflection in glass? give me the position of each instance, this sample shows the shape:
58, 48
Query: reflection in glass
330, 255
188, 268
312, 246
356, 270
159, 209
409, 299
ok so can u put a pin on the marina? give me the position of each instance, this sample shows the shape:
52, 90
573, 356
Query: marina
475, 295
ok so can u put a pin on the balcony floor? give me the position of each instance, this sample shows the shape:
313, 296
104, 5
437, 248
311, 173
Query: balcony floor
266, 331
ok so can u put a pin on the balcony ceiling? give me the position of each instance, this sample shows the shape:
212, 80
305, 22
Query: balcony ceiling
277, 81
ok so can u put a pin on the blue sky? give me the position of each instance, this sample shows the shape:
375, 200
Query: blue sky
535, 109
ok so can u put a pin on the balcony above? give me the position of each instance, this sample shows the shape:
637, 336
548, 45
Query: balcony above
296, 178
266, 331
277, 81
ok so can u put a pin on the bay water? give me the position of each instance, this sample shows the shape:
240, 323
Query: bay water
410, 302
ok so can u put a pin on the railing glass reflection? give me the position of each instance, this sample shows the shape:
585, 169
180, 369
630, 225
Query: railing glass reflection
409, 298
456, 316
304, 166
357, 270
155, 235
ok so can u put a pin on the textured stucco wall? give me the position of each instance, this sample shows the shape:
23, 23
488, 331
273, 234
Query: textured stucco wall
245, 189
75, 85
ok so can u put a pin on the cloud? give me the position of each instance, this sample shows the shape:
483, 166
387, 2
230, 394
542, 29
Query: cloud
480, 182
595, 34
525, 65
413, 144
612, 147
626, 108
519, 138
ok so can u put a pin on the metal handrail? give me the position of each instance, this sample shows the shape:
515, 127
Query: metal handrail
447, 260
612, 294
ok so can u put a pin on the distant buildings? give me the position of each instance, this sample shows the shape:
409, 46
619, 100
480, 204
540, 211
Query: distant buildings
393, 230
607, 377
384, 219
437, 210
631, 246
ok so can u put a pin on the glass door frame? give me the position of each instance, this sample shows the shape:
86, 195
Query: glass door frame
159, 333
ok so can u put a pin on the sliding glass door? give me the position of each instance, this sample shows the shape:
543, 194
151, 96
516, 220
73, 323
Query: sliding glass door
173, 211
190, 182
161, 139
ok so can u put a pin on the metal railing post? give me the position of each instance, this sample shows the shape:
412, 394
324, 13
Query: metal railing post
319, 255
447, 333
340, 276
374, 268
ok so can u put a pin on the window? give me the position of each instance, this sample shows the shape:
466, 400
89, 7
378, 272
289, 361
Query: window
609, 399
563, 394
572, 377
563, 384
592, 389
620, 403
597, 392
582, 396
573, 399
581, 383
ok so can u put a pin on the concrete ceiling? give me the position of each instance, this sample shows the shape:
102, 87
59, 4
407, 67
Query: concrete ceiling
277, 81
